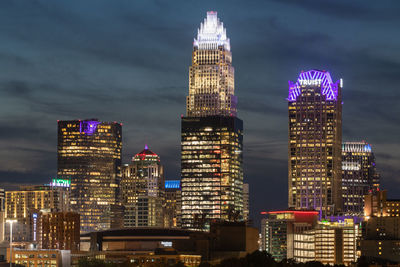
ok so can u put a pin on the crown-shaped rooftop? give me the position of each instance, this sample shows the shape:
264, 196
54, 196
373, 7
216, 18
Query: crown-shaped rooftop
211, 33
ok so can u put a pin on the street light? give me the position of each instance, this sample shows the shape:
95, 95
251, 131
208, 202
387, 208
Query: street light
10, 221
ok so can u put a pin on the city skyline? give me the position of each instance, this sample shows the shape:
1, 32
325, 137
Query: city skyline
43, 85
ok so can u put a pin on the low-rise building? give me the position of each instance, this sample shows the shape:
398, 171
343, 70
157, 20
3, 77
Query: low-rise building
41, 257
278, 227
328, 242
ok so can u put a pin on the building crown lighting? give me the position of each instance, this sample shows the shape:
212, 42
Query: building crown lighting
212, 33
314, 78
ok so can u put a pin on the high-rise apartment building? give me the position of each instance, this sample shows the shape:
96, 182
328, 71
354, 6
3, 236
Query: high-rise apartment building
212, 135
23, 205
315, 143
359, 176
142, 188
89, 153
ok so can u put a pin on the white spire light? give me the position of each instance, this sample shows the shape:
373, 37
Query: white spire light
212, 33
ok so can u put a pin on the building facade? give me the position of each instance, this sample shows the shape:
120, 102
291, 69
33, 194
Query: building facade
279, 228
328, 242
359, 176
212, 135
24, 205
377, 205
315, 143
142, 188
173, 203
57, 230
381, 227
89, 153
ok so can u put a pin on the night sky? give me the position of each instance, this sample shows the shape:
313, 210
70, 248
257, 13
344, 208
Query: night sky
128, 61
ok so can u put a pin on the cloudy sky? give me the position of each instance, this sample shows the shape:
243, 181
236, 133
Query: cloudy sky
127, 61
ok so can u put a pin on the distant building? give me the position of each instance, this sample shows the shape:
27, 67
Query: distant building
246, 202
359, 176
89, 153
315, 143
23, 204
173, 202
381, 228
57, 230
278, 230
377, 205
212, 135
142, 189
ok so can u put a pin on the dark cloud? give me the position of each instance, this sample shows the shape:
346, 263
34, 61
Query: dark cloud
348, 10
128, 61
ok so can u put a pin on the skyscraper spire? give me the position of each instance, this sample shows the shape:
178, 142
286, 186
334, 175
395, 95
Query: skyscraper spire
211, 76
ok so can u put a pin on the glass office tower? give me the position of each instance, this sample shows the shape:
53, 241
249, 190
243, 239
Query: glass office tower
89, 154
212, 135
315, 143
359, 176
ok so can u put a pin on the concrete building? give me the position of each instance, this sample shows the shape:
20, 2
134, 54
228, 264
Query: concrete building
315, 143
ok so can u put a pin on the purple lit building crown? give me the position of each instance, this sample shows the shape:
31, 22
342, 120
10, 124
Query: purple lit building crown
314, 78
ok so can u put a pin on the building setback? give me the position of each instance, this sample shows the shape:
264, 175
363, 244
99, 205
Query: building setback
315, 142
89, 153
359, 176
142, 188
212, 135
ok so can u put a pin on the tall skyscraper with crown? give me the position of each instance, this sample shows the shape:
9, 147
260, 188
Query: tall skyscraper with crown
315, 143
212, 135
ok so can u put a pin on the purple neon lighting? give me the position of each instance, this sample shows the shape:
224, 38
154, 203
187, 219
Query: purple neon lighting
328, 88
88, 127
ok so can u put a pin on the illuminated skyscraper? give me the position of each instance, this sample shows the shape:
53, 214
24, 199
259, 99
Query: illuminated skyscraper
315, 142
142, 188
89, 153
211, 76
359, 176
212, 135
